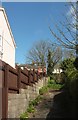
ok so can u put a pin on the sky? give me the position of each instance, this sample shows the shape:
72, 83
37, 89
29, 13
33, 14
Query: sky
29, 23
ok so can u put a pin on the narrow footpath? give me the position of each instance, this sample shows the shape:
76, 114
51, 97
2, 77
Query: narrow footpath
54, 104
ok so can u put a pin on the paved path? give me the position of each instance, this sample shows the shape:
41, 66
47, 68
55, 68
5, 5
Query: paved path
54, 105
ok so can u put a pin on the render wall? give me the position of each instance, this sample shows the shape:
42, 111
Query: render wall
7, 42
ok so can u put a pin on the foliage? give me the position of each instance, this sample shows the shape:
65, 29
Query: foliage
31, 109
36, 101
33, 103
50, 63
52, 60
43, 90
51, 81
67, 64
72, 83
71, 78
53, 85
24, 115
67, 67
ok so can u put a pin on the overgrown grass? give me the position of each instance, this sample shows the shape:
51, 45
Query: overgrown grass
55, 86
51, 85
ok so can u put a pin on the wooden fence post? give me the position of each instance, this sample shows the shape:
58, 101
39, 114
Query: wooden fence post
34, 75
5, 93
29, 81
19, 78
37, 75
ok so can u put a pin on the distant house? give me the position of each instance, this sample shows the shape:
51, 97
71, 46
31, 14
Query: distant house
31, 66
57, 69
7, 43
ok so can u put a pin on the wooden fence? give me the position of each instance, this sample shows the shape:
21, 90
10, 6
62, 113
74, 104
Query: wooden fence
13, 80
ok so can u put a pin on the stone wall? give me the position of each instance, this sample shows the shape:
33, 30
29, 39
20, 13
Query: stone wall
18, 103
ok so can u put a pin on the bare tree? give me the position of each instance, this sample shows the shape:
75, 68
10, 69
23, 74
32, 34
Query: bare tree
39, 52
69, 37
68, 53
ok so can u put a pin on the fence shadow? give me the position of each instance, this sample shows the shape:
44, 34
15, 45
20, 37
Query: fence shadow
61, 107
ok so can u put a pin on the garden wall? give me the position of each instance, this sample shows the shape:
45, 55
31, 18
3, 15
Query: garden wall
18, 103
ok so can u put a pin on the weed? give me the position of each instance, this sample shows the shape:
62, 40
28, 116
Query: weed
24, 115
43, 90
31, 109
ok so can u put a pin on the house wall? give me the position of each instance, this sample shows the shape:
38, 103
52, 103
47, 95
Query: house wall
57, 71
7, 42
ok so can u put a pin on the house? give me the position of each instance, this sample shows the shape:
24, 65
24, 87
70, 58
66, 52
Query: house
57, 69
32, 66
7, 43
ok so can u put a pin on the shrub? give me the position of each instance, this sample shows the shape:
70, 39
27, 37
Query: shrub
51, 81
73, 83
67, 64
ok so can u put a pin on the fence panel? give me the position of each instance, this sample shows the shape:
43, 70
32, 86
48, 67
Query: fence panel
24, 78
36, 76
31, 76
12, 80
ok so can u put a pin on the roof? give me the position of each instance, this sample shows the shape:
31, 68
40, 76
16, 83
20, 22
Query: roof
31, 66
3, 10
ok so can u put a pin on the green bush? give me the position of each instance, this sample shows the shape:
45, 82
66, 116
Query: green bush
67, 64
51, 81
73, 83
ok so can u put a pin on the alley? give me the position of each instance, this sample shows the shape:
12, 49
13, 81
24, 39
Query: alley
54, 104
